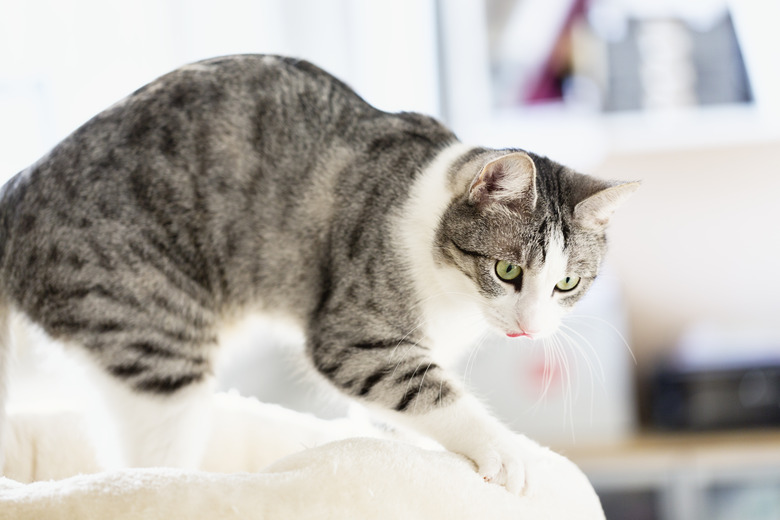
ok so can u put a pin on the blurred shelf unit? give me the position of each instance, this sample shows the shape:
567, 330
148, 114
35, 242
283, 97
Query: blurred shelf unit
713, 476
611, 76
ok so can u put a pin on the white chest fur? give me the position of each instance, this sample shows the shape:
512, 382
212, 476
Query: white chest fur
452, 318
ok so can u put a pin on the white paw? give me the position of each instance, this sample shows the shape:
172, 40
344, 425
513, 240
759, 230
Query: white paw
502, 461
464, 427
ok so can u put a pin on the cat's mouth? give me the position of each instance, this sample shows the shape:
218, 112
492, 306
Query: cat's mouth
512, 330
532, 334
521, 334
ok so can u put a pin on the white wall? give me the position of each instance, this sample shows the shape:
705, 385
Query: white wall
699, 242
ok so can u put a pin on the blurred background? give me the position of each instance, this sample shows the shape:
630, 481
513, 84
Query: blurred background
668, 394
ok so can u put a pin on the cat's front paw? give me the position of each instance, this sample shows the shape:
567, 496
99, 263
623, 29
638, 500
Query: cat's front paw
464, 427
502, 461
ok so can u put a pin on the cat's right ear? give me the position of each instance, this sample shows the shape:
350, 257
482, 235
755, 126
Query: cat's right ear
509, 180
594, 212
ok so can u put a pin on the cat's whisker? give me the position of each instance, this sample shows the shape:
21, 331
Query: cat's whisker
549, 369
572, 343
403, 358
474, 318
583, 319
610, 326
466, 370
471, 361
600, 375
422, 381
414, 372
420, 324
561, 366
566, 332
411, 345
547, 376
564, 360
564, 382
566, 385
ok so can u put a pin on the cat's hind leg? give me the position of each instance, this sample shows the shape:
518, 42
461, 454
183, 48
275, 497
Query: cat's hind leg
139, 428
154, 379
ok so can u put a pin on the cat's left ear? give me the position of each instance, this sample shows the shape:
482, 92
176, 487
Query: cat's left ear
594, 211
510, 179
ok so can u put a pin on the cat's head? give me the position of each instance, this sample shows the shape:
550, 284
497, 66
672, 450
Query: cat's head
525, 238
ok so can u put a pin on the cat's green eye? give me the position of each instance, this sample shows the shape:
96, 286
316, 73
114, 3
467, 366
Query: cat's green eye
568, 283
507, 271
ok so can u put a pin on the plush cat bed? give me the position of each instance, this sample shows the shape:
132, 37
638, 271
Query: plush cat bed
318, 469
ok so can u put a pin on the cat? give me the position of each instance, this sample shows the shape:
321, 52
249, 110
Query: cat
258, 183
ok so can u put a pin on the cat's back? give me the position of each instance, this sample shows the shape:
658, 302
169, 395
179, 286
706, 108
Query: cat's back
179, 121
177, 172
216, 177
236, 125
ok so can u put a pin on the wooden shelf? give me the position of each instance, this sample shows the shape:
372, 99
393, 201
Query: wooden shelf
712, 452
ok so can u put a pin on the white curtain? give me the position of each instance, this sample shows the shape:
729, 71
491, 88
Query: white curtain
62, 62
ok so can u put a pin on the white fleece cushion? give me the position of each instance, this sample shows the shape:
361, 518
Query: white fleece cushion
358, 477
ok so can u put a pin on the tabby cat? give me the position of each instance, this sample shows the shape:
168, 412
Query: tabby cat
261, 183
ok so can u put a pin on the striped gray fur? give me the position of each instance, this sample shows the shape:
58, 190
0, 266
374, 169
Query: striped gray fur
259, 183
